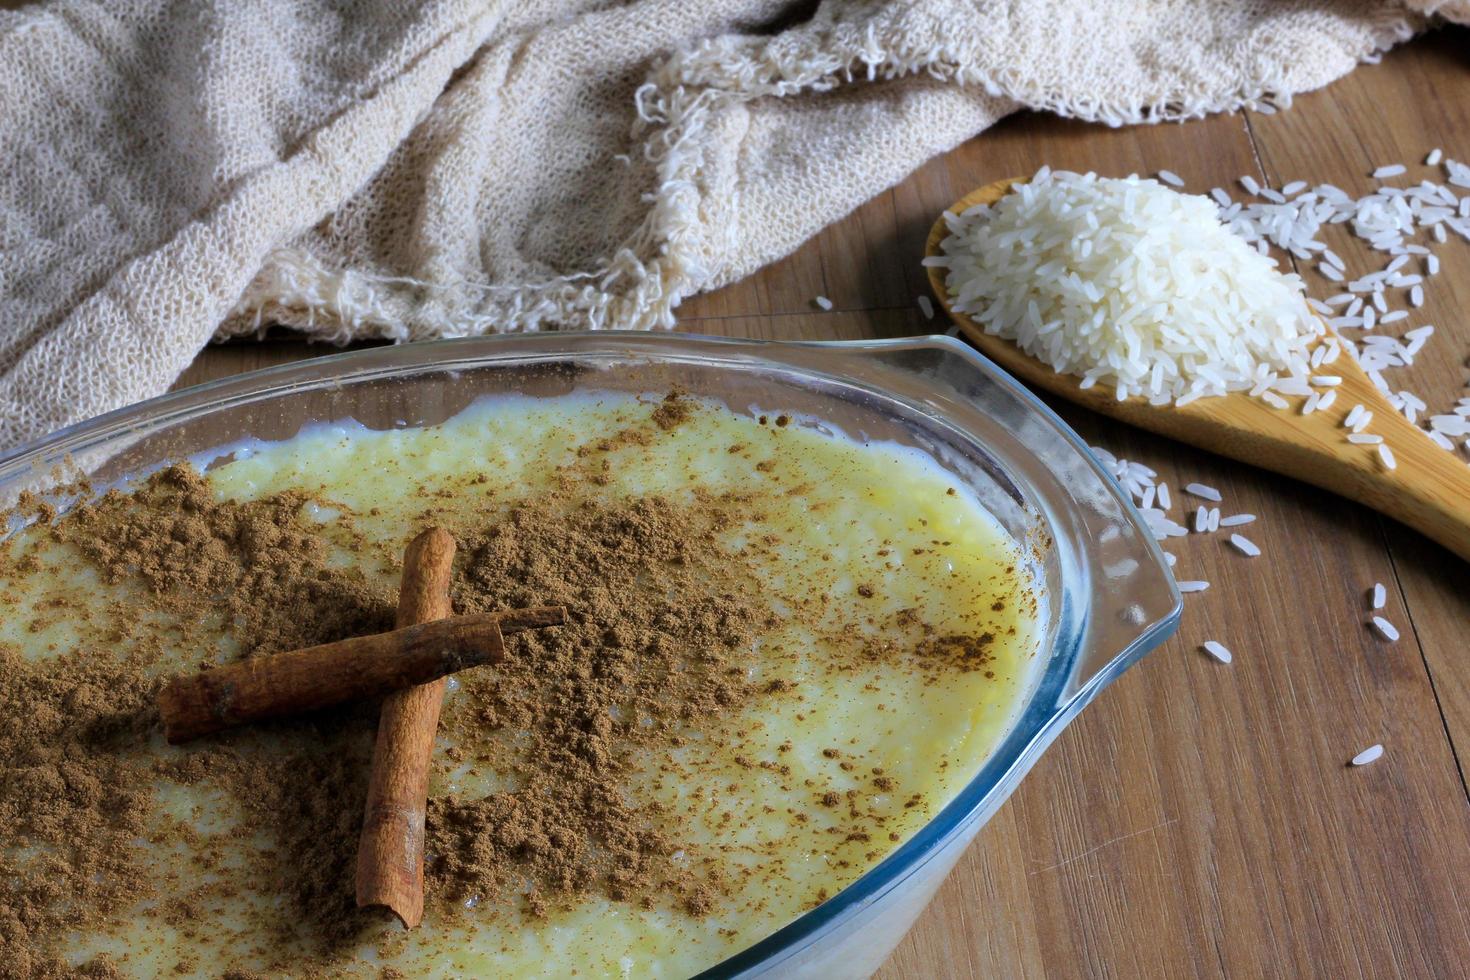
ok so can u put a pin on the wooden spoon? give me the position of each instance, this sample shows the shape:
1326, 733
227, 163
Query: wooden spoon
1429, 490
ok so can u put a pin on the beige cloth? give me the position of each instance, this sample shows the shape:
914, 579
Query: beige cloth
176, 171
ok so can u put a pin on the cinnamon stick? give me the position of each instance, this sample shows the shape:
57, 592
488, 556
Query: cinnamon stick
333, 673
390, 856
320, 676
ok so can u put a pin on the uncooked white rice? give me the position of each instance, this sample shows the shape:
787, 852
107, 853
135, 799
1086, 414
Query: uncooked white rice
823, 302
926, 307
1457, 424
1245, 545
1292, 219
1380, 595
1200, 490
1218, 651
1236, 520
1171, 178
1385, 629
1192, 586
1388, 219
1128, 284
1371, 754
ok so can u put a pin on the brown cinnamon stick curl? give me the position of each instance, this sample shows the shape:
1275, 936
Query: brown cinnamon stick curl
390, 856
334, 673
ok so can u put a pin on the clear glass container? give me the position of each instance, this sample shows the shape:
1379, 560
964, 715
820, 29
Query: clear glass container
1109, 597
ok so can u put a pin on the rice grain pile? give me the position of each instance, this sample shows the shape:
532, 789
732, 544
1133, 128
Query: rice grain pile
1127, 283
1406, 223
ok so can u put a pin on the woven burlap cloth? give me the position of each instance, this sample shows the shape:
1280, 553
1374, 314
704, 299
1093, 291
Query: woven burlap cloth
180, 171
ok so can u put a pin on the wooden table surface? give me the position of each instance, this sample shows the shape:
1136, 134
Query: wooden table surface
1200, 819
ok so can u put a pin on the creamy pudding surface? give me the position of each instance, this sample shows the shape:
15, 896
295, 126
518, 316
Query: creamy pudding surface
786, 651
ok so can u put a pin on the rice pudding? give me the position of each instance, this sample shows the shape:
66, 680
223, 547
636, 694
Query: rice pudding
787, 650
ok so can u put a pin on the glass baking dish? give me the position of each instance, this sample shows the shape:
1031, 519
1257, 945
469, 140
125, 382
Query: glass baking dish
1107, 595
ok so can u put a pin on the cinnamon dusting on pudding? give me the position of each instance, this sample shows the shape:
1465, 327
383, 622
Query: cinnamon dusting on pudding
596, 737
660, 632
65, 788
257, 564
673, 410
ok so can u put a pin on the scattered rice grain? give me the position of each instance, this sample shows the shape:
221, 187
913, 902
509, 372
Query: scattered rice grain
1217, 650
1371, 754
1245, 545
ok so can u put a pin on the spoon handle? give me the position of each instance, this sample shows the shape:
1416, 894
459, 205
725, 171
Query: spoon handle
1428, 489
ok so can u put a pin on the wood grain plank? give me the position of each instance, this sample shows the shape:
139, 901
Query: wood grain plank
238, 356
834, 325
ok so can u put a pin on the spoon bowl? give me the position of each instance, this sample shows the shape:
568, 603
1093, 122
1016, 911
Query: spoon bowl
1429, 489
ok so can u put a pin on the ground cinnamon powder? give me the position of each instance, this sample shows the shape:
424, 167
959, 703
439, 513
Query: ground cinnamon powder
79, 734
256, 563
661, 621
65, 787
